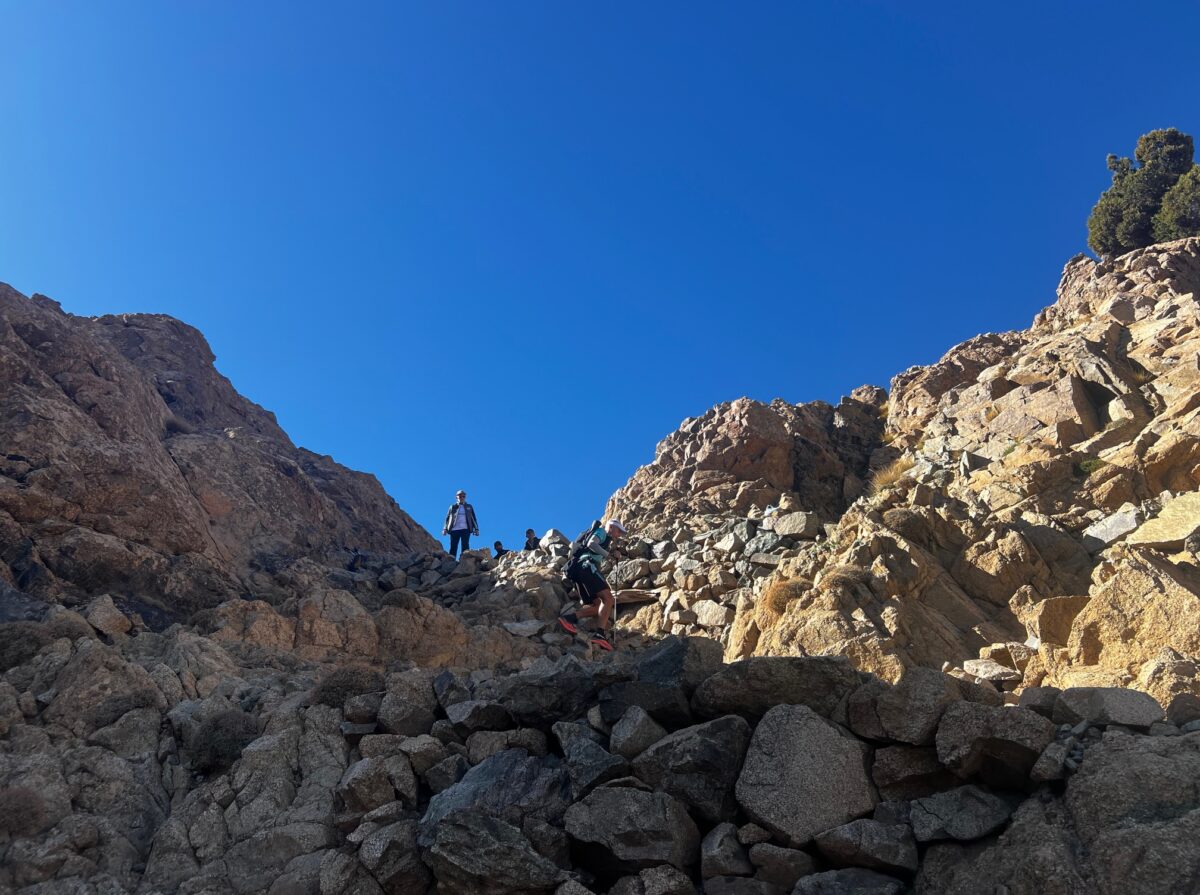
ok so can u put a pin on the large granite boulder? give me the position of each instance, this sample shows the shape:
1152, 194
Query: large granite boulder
699, 765
802, 776
629, 829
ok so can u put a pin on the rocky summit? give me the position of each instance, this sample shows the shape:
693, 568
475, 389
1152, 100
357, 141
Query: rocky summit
939, 639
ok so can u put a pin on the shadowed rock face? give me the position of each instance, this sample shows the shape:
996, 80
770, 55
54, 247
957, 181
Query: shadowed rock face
744, 454
131, 465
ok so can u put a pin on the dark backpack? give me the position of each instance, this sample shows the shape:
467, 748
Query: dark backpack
575, 551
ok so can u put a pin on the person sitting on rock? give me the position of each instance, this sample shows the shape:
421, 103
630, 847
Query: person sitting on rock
531, 540
460, 524
583, 568
500, 551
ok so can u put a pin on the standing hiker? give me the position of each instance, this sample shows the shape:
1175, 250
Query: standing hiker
460, 524
583, 568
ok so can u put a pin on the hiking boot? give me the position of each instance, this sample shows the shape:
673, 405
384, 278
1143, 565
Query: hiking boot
601, 641
569, 622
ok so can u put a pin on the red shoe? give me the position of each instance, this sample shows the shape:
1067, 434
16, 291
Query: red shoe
569, 622
601, 641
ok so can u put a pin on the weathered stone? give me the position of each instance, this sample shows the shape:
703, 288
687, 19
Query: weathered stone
997, 745
391, 856
798, 525
849, 882
446, 773
629, 829
967, 812
486, 743
780, 866
722, 855
909, 772
589, 764
1112, 528
1050, 620
738, 885
991, 670
664, 702
870, 844
801, 776
474, 714
372, 782
635, 732
400, 715
512, 785
666, 880
710, 614
473, 853
698, 765
549, 691
1040, 700
909, 711
1106, 705
752, 687
1171, 528
106, 618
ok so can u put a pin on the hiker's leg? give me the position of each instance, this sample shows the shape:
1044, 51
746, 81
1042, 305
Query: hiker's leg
589, 610
455, 541
466, 541
605, 602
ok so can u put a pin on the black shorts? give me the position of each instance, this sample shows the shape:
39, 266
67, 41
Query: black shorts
590, 582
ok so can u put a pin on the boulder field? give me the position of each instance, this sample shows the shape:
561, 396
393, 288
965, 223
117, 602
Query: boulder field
936, 639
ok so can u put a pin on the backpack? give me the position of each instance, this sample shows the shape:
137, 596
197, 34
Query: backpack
575, 550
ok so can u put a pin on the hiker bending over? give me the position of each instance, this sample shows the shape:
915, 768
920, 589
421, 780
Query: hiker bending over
460, 524
531, 540
583, 568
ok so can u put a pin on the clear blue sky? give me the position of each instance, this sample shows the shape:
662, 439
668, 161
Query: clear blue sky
509, 246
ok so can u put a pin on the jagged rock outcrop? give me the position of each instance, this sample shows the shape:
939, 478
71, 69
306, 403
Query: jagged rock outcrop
744, 455
1031, 515
132, 467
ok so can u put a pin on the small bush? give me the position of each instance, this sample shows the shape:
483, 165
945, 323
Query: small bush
71, 625
220, 739
886, 476
844, 578
781, 592
345, 681
906, 522
24, 812
21, 641
1141, 376
1085, 468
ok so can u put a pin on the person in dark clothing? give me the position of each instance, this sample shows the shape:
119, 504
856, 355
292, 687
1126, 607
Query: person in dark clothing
583, 568
460, 524
500, 551
531, 540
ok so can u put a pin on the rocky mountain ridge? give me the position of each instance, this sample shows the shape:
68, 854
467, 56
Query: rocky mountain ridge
131, 466
345, 709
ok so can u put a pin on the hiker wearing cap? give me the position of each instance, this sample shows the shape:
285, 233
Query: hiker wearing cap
460, 524
583, 568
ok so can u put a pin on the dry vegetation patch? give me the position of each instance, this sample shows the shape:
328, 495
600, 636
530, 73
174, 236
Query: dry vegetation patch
889, 475
345, 681
781, 592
